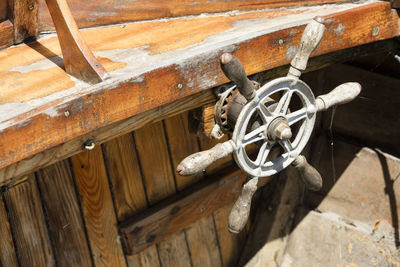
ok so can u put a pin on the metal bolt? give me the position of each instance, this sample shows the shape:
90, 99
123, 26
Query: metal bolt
67, 113
180, 86
31, 7
375, 31
89, 145
280, 42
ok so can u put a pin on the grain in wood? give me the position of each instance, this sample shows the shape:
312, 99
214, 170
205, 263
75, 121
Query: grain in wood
203, 243
7, 249
63, 215
200, 237
93, 13
28, 224
152, 147
6, 34
129, 194
124, 171
24, 16
98, 210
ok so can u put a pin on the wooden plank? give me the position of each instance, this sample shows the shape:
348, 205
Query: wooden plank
94, 13
98, 210
174, 215
181, 75
231, 244
7, 249
129, 194
153, 152
201, 237
203, 243
159, 181
63, 215
3, 10
124, 171
101, 135
28, 223
6, 34
181, 143
24, 15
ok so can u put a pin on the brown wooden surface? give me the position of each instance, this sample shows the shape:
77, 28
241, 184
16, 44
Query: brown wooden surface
6, 34
127, 184
24, 15
159, 182
101, 135
64, 218
3, 10
7, 249
79, 61
97, 106
98, 210
101, 12
162, 221
200, 236
28, 225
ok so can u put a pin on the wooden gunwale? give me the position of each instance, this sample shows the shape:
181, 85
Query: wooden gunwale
69, 108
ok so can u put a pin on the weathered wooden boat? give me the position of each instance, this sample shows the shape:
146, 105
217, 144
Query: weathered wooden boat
106, 105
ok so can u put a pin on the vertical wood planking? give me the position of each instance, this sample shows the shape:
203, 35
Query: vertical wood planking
28, 225
3, 10
64, 218
97, 206
126, 179
125, 176
159, 182
7, 250
182, 143
230, 244
203, 243
153, 152
201, 236
24, 15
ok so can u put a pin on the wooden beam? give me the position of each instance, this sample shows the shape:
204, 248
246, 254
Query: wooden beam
92, 13
79, 61
3, 10
67, 109
6, 34
24, 15
172, 216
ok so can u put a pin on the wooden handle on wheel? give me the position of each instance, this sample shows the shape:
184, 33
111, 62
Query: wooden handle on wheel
308, 173
241, 209
310, 39
342, 94
234, 71
199, 161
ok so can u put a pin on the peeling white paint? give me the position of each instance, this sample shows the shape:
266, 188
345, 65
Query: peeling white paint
339, 30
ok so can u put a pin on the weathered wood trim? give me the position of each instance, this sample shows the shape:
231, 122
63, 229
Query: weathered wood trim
115, 100
175, 214
24, 15
74, 146
92, 13
6, 34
